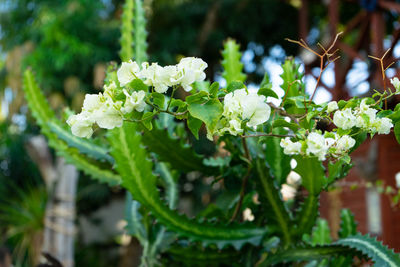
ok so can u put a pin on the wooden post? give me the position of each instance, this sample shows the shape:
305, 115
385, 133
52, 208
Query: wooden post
61, 182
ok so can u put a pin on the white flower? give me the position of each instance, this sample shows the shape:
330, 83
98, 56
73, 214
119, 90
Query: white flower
246, 106
288, 192
110, 89
396, 83
155, 75
234, 127
169, 75
317, 145
289, 147
363, 105
344, 119
190, 70
366, 118
134, 101
345, 143
81, 125
128, 72
232, 105
332, 106
383, 125
397, 177
255, 109
108, 117
92, 102
293, 179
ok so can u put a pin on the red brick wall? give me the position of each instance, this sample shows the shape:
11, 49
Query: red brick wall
387, 163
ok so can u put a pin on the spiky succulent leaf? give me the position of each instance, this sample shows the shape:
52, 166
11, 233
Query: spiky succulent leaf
133, 32
140, 33
348, 225
171, 150
171, 187
202, 257
275, 211
231, 62
375, 250
278, 161
136, 172
292, 86
126, 41
321, 234
312, 174
44, 116
85, 146
302, 254
306, 215
133, 218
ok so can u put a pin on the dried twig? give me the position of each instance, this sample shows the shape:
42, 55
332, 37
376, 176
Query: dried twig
326, 53
383, 69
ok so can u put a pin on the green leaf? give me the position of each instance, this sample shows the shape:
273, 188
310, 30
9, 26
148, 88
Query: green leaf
284, 123
272, 202
194, 126
321, 234
86, 146
146, 120
133, 32
202, 257
306, 215
201, 96
267, 92
126, 40
301, 254
397, 131
140, 33
266, 83
43, 114
348, 226
137, 85
278, 161
231, 62
158, 99
336, 171
213, 89
311, 172
208, 112
136, 172
292, 88
235, 85
133, 218
171, 150
169, 180
375, 250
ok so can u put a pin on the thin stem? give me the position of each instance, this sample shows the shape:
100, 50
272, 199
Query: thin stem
383, 69
244, 182
172, 95
166, 111
326, 53
267, 134
282, 112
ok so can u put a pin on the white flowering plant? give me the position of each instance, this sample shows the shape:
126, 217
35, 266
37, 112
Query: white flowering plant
276, 148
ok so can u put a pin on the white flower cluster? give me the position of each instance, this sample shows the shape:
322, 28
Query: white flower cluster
362, 117
104, 110
107, 112
188, 71
396, 83
242, 105
319, 145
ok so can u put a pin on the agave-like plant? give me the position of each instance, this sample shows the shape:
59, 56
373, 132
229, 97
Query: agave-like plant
23, 219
